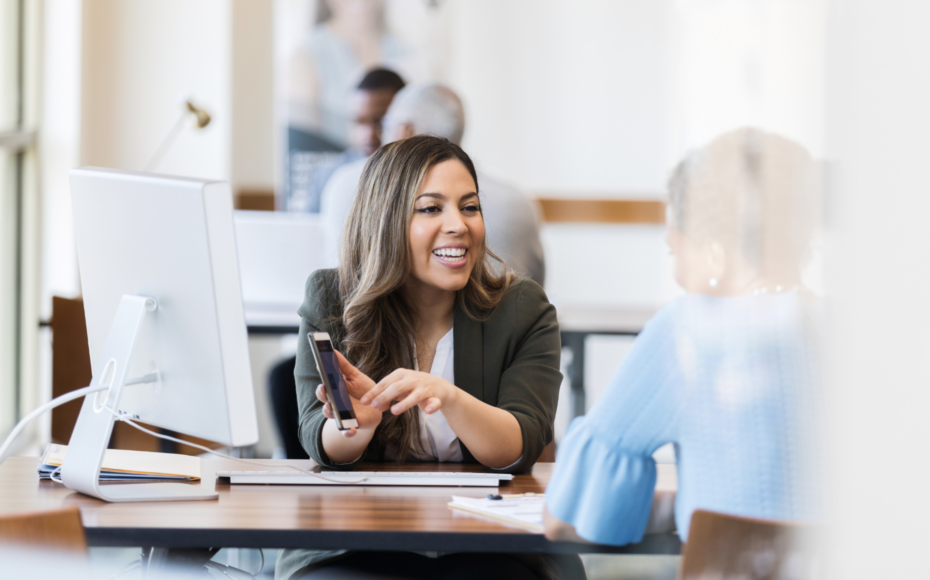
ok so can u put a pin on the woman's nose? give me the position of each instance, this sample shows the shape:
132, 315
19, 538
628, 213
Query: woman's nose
454, 224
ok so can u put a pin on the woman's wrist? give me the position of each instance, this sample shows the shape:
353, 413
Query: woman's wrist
341, 448
450, 396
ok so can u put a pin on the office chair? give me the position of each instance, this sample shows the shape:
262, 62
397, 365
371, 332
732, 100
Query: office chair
725, 546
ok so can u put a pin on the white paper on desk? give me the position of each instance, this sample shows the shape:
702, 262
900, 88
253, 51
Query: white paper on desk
525, 511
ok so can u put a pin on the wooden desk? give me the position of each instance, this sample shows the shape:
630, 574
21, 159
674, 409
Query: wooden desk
322, 517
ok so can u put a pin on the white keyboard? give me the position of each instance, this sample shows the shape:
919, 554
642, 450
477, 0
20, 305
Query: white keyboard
399, 478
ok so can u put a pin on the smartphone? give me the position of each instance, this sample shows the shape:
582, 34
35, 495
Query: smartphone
333, 382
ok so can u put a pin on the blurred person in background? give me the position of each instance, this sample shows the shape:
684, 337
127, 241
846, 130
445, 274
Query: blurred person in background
728, 372
368, 105
349, 37
511, 219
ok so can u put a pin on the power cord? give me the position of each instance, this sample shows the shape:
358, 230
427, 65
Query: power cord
67, 397
77, 394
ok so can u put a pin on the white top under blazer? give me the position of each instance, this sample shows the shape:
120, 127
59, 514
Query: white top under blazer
437, 440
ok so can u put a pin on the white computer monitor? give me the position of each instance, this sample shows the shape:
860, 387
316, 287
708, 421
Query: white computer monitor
162, 298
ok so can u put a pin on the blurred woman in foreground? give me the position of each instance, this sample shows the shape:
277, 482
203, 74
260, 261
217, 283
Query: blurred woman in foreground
728, 372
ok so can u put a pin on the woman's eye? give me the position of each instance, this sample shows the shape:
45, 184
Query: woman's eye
429, 209
473, 208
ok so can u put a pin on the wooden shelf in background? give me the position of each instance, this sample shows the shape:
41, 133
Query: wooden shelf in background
255, 199
605, 211
554, 209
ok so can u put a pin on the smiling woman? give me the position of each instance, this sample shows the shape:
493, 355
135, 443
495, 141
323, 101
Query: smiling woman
445, 360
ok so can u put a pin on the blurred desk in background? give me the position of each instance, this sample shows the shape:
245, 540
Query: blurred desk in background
577, 322
277, 251
272, 318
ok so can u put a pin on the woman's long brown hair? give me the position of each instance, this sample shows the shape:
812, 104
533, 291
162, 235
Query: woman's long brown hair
375, 263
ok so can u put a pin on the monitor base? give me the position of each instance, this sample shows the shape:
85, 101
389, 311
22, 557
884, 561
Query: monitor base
130, 492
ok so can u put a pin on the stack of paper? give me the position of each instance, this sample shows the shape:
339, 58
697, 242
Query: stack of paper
124, 465
525, 511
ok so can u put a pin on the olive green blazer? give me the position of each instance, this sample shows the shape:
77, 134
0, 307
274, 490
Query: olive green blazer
510, 360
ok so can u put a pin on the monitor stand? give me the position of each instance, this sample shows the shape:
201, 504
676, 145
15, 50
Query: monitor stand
80, 470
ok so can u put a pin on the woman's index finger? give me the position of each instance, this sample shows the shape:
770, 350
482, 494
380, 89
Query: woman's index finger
393, 377
383, 384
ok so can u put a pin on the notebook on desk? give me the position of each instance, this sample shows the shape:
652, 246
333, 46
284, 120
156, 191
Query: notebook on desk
524, 510
393, 478
126, 465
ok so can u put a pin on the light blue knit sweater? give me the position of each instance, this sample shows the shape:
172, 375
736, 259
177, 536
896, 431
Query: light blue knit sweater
733, 382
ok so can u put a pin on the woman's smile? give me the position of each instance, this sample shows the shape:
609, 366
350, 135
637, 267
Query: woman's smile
452, 255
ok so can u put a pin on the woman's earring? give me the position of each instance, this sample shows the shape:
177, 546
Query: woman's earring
713, 282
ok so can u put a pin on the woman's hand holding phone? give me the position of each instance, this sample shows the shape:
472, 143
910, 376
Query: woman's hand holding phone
358, 384
408, 388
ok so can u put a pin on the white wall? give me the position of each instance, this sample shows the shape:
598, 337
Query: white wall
565, 97
252, 95
140, 60
739, 62
601, 99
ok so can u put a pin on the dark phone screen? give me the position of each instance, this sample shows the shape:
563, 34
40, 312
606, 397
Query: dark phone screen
336, 382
